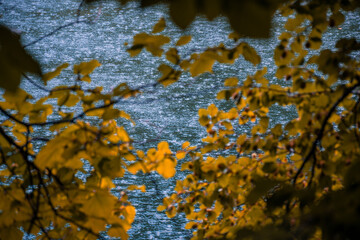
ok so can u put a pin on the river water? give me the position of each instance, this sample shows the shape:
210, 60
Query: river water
162, 114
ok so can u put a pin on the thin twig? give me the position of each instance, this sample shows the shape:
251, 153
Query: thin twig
78, 11
55, 31
77, 21
36, 84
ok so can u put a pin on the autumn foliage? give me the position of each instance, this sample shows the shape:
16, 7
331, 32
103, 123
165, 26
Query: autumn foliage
298, 180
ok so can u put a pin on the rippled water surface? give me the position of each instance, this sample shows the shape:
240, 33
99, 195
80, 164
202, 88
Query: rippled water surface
168, 114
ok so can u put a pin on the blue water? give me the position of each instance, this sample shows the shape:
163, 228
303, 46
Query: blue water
162, 114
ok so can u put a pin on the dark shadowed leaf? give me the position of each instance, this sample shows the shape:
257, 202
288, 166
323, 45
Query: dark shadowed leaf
14, 60
183, 12
262, 187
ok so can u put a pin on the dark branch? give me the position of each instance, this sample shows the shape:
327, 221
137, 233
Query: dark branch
36, 84
312, 171
321, 132
55, 31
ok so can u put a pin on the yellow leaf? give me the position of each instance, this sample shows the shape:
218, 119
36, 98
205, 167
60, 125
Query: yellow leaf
63, 97
95, 112
241, 139
5, 172
51, 154
163, 147
191, 225
136, 167
228, 125
126, 116
100, 204
140, 153
166, 168
58, 126
11, 232
50, 75
293, 23
134, 187
86, 78
203, 64
172, 56
231, 82
183, 40
152, 43
130, 213
180, 155
212, 110
169, 75
135, 50
123, 135
119, 232
110, 113
235, 36
161, 208
250, 54
72, 100
159, 26
185, 144
284, 36
85, 68
106, 182
185, 64
203, 117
